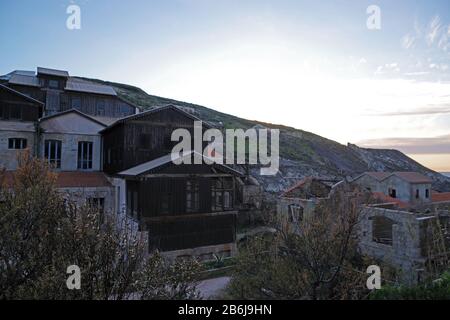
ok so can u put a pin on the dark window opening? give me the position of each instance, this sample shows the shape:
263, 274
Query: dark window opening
427, 193
101, 107
17, 143
76, 103
382, 230
417, 194
85, 155
392, 193
295, 213
53, 152
192, 196
53, 84
15, 113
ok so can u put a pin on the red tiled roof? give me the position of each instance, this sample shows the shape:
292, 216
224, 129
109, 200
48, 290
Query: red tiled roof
379, 175
72, 179
412, 177
440, 196
387, 199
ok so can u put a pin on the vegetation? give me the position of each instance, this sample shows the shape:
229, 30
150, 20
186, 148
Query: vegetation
431, 290
42, 233
320, 262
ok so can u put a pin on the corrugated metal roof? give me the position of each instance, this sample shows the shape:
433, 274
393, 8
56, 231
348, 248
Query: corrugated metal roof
85, 86
25, 80
154, 110
53, 72
158, 162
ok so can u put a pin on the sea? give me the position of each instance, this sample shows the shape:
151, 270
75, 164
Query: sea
446, 174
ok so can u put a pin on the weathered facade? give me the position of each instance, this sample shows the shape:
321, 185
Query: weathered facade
60, 92
407, 227
187, 209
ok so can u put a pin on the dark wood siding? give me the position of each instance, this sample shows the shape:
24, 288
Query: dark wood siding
17, 108
192, 232
145, 138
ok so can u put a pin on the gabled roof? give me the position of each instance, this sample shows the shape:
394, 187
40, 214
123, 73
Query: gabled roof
167, 159
52, 72
411, 177
55, 115
2, 86
304, 183
152, 111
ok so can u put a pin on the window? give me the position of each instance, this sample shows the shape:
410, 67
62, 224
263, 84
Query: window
3, 111
417, 194
53, 84
192, 195
76, 103
101, 107
427, 193
17, 143
382, 230
392, 193
53, 152
15, 113
295, 213
222, 194
85, 155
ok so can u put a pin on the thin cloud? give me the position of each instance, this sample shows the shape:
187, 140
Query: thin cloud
433, 29
443, 108
408, 41
433, 145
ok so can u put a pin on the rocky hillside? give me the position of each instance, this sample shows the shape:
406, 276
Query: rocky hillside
302, 153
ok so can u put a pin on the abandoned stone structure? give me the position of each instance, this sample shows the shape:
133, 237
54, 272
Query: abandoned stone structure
407, 226
109, 154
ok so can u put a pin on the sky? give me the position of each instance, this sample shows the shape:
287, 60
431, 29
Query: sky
314, 65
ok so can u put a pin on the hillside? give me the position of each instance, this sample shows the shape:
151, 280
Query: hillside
301, 153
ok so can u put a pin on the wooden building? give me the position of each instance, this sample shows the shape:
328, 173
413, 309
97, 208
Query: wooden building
61, 92
186, 208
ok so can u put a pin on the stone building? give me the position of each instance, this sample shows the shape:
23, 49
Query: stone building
407, 226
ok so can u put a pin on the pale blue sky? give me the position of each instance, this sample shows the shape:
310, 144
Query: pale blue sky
313, 65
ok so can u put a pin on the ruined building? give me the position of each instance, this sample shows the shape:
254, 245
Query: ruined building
407, 225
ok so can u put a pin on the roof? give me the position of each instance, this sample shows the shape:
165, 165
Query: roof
25, 80
169, 158
291, 192
411, 177
79, 85
52, 72
2, 86
77, 179
72, 179
387, 199
440, 196
72, 111
152, 111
